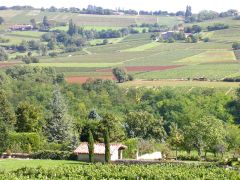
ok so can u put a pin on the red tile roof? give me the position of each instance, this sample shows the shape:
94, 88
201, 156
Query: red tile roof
99, 148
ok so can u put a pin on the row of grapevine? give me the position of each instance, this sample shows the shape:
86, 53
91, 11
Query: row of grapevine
99, 171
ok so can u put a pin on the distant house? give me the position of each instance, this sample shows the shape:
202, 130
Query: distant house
21, 27
99, 152
167, 35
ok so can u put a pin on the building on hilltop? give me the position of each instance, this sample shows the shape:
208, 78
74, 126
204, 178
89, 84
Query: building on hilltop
116, 150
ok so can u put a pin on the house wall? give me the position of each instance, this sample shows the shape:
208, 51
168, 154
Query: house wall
98, 157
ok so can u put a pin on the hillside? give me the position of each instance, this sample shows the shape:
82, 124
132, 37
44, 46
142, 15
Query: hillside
214, 60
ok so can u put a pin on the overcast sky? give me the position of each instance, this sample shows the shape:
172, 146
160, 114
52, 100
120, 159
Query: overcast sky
169, 5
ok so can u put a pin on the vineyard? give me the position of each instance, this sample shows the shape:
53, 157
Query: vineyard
99, 171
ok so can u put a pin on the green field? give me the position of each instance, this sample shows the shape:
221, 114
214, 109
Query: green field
45, 169
214, 60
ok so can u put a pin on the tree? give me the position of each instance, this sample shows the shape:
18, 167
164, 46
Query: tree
34, 24
236, 46
59, 126
3, 136
188, 12
205, 134
120, 74
107, 146
43, 50
175, 138
7, 114
29, 118
144, 125
1, 20
90, 146
3, 54
112, 123
45, 21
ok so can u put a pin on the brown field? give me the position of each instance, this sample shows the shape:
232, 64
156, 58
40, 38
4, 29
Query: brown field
143, 68
7, 64
83, 79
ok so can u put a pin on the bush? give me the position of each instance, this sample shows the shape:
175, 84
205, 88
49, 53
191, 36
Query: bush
189, 158
54, 155
236, 46
206, 39
217, 27
24, 142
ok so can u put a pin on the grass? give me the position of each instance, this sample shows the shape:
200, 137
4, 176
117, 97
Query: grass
85, 65
209, 57
143, 47
9, 165
174, 83
211, 71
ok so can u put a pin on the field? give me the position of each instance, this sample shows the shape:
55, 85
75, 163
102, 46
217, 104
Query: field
74, 170
86, 20
142, 57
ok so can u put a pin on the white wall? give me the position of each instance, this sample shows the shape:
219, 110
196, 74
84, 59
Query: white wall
98, 157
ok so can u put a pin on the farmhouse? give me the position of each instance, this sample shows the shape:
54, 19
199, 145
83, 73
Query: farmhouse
116, 150
169, 34
21, 27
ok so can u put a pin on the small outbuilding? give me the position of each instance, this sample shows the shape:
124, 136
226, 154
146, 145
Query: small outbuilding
116, 150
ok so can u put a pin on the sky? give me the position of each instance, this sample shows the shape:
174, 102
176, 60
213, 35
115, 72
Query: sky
150, 5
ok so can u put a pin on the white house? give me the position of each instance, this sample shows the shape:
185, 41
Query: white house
99, 152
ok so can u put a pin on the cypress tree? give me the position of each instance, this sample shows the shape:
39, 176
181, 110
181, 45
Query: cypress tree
90, 146
107, 146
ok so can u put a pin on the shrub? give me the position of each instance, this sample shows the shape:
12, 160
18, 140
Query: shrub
189, 158
206, 39
54, 155
236, 46
25, 142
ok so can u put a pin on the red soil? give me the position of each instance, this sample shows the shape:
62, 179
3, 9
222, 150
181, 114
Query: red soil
143, 68
7, 64
83, 79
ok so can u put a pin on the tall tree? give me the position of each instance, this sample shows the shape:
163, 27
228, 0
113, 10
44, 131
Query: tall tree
3, 136
34, 24
1, 20
45, 21
90, 146
59, 127
188, 12
175, 138
107, 146
3, 54
29, 118
6, 111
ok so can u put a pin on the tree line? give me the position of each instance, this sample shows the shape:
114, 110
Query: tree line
40, 111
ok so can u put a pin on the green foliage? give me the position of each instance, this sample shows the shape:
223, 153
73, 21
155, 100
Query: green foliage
29, 118
107, 146
3, 137
120, 74
3, 54
54, 155
20, 142
132, 148
59, 125
1, 20
90, 146
218, 26
99, 171
7, 115
144, 125
236, 46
